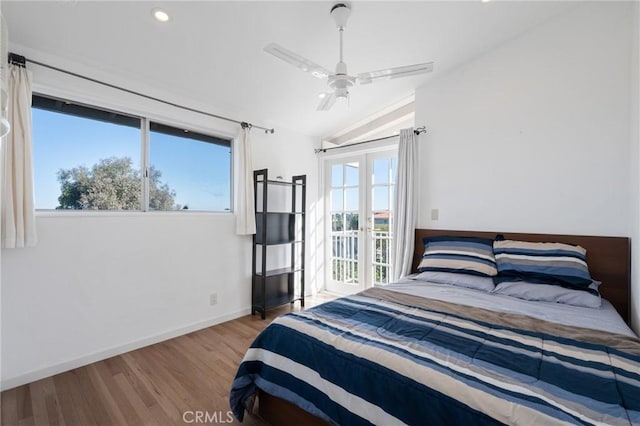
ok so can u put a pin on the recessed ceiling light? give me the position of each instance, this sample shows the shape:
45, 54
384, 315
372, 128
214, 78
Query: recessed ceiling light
322, 95
160, 15
485, 1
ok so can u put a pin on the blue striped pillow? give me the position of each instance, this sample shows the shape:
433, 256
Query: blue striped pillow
467, 255
545, 263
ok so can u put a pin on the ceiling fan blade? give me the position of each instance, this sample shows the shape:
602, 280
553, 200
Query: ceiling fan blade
296, 60
327, 101
372, 76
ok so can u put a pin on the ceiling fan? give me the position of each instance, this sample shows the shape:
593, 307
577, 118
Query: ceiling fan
340, 82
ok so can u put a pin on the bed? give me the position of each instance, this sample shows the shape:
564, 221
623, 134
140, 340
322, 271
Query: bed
427, 353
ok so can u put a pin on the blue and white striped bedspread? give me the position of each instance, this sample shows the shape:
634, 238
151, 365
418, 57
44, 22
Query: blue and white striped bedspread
386, 358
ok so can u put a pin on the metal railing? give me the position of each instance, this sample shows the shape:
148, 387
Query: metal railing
345, 257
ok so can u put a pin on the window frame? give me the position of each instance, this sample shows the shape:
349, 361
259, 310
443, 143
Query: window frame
145, 121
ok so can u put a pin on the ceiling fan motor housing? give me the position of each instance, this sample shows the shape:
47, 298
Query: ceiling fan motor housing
341, 81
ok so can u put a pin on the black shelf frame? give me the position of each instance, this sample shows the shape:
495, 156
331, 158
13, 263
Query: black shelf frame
271, 288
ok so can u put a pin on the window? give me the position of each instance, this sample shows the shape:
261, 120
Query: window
90, 159
196, 168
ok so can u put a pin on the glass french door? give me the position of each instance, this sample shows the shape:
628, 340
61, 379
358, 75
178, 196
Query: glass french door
359, 194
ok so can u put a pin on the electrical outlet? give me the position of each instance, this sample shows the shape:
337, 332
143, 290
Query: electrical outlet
213, 298
435, 213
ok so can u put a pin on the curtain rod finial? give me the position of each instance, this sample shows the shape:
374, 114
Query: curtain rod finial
420, 130
17, 59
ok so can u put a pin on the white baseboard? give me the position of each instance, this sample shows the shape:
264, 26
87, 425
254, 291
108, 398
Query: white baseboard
49, 371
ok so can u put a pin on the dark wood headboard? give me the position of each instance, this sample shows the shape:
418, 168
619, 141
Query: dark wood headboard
609, 259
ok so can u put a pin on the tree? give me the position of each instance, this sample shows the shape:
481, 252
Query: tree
111, 184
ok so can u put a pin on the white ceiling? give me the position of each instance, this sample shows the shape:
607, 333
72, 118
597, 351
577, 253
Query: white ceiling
211, 51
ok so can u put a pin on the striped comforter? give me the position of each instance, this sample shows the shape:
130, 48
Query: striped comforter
383, 357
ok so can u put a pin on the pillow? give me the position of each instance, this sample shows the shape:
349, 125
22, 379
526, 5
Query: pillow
588, 298
461, 280
543, 263
466, 255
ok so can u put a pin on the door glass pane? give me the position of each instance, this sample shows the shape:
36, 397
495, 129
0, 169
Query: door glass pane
380, 171
383, 180
352, 199
381, 198
337, 222
337, 197
351, 221
352, 174
345, 223
336, 175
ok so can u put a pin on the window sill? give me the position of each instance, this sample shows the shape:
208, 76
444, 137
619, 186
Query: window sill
133, 213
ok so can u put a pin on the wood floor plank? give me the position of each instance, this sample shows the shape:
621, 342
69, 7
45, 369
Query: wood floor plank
156, 385
94, 398
10, 407
39, 401
153, 385
193, 390
54, 411
124, 406
202, 362
111, 405
119, 365
141, 409
23, 404
71, 401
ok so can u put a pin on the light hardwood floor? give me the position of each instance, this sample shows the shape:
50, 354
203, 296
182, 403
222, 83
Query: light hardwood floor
162, 384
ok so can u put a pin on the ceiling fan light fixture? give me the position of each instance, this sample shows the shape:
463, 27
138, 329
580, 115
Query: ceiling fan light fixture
342, 93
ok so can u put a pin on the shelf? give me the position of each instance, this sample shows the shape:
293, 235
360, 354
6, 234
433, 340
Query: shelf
278, 301
281, 271
294, 213
277, 243
279, 182
280, 228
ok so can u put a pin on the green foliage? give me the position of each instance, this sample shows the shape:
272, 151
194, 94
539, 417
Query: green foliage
112, 184
351, 220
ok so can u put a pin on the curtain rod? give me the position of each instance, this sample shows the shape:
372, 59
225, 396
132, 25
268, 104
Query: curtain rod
20, 60
418, 131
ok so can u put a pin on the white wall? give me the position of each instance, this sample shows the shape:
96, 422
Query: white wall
535, 135
635, 166
101, 284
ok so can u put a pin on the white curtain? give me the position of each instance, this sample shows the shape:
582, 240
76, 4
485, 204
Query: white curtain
405, 206
245, 208
18, 214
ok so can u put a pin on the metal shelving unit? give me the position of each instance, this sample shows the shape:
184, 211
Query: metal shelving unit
277, 228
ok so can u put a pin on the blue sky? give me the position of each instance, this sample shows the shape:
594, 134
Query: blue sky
198, 172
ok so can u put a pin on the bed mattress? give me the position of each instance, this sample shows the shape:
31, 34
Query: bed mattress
393, 356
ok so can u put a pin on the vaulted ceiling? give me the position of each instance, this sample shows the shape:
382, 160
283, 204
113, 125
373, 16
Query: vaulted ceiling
211, 52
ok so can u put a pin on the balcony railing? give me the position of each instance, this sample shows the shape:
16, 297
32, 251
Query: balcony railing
345, 257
